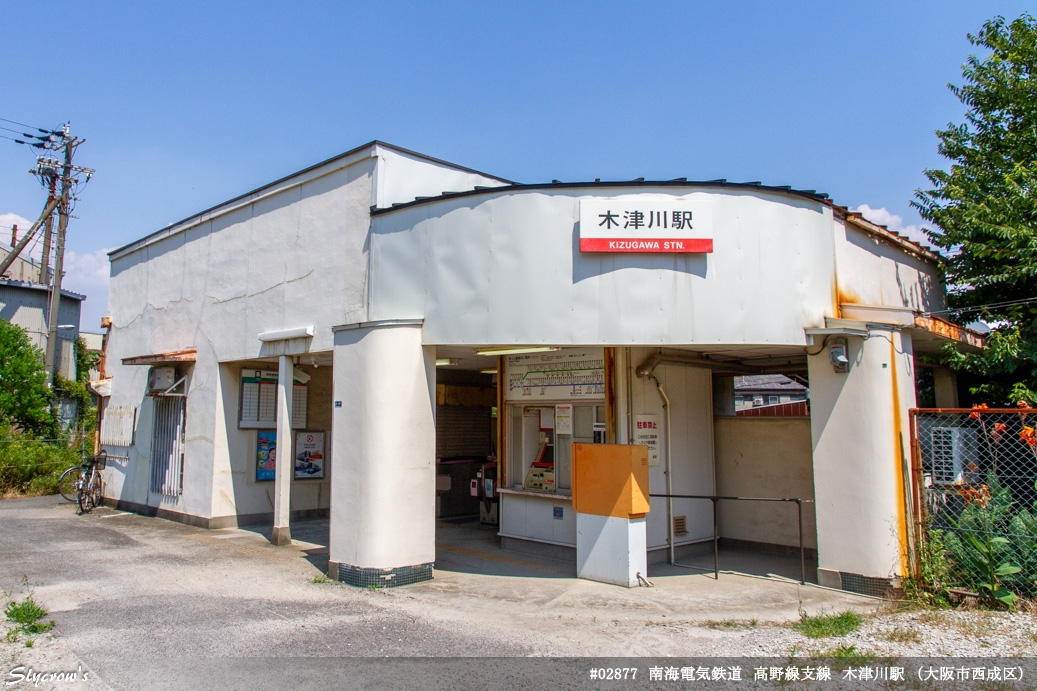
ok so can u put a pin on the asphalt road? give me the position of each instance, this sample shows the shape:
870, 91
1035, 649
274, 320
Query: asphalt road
146, 604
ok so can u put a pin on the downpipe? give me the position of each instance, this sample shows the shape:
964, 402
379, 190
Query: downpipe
669, 468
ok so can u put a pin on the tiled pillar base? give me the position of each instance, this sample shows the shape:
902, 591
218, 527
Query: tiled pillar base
363, 577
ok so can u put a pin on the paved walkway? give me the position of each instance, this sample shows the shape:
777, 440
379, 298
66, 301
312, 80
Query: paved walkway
135, 597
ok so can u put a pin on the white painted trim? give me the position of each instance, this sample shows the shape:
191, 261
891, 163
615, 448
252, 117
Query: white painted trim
286, 334
377, 324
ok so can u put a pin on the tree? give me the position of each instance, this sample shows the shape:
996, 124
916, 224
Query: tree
24, 396
985, 209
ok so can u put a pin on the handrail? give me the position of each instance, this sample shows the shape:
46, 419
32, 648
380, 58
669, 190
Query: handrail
716, 535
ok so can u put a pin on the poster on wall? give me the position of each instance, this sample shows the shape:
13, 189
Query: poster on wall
646, 433
266, 454
309, 455
570, 373
564, 418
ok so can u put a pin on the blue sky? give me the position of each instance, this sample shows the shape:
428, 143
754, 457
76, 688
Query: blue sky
187, 104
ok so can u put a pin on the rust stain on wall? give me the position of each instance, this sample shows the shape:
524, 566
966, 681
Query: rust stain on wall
897, 459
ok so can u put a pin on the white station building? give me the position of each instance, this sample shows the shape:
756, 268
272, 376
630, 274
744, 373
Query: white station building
302, 324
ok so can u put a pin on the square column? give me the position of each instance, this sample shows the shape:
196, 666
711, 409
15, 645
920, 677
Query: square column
383, 487
861, 447
610, 496
284, 463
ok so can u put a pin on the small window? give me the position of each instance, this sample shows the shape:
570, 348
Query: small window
738, 400
772, 400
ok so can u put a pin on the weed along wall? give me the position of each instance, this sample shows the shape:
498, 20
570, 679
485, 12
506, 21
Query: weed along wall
332, 301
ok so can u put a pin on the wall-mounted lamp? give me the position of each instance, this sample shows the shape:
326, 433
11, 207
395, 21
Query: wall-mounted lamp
518, 350
838, 354
446, 361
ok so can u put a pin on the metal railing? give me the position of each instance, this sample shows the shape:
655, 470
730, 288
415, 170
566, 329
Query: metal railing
716, 533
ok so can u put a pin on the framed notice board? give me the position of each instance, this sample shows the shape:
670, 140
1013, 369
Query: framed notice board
309, 455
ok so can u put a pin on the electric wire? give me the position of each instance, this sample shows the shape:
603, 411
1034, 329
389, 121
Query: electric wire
31, 127
979, 308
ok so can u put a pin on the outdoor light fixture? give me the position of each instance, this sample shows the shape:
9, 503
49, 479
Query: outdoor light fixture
444, 361
518, 350
837, 353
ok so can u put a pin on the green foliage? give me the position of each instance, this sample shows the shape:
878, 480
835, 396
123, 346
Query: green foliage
848, 652
985, 206
30, 466
24, 396
825, 625
929, 587
84, 360
86, 413
991, 548
26, 614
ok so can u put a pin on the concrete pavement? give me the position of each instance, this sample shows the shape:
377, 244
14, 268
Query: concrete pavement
148, 603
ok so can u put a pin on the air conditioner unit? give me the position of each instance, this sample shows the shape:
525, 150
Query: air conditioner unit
161, 378
953, 451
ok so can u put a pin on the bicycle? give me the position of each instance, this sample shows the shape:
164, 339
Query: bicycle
89, 495
70, 481
85, 476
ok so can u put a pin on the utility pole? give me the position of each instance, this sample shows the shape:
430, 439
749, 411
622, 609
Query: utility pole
69, 143
45, 260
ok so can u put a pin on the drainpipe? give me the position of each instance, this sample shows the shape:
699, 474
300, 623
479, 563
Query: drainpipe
669, 468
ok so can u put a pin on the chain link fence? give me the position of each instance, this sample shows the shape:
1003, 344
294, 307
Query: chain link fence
975, 479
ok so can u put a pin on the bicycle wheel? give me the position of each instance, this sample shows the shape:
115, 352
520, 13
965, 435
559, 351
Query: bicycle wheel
86, 494
68, 483
95, 489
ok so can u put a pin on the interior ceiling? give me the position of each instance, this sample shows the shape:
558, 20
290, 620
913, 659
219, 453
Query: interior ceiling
755, 356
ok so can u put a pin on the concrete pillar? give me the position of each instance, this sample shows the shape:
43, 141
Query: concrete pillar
723, 396
611, 549
859, 427
284, 469
382, 530
945, 387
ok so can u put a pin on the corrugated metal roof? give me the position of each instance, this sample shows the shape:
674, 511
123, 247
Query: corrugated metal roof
771, 382
40, 286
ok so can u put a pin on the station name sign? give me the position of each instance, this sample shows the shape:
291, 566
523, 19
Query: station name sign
608, 225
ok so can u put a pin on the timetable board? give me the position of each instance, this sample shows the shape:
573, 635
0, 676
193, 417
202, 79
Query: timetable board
569, 374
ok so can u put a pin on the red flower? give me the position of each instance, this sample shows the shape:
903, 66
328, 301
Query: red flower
1027, 436
977, 408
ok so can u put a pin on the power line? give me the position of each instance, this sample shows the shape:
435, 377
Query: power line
31, 127
979, 308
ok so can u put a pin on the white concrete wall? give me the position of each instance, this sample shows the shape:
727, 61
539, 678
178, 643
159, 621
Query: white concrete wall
765, 457
235, 489
859, 431
401, 176
383, 488
871, 271
291, 255
457, 264
691, 419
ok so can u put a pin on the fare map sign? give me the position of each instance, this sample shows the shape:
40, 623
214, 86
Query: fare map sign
608, 225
